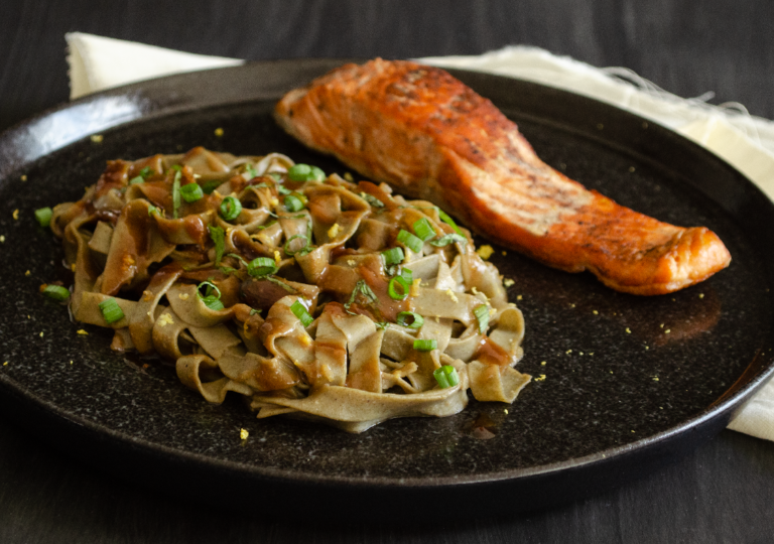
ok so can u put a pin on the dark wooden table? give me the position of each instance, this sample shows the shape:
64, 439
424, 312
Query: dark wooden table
723, 492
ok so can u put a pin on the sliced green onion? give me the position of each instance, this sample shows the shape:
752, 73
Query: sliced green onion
209, 186
372, 200
393, 256
176, 194
416, 320
262, 266
301, 313
251, 171
191, 192
56, 292
361, 287
425, 345
281, 283
213, 303
392, 291
304, 172
43, 215
111, 311
449, 221
382, 324
303, 251
153, 210
146, 172
137, 179
208, 288
423, 229
177, 167
407, 275
254, 311
446, 376
482, 315
448, 239
293, 203
218, 236
410, 241
281, 189
276, 176
230, 208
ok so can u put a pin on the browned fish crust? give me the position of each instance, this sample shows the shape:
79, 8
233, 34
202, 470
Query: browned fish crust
430, 136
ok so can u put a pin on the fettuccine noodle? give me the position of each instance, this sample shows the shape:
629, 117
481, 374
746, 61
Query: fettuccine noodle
310, 295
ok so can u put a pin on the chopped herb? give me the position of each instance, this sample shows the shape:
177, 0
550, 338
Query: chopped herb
218, 236
372, 200
56, 292
449, 221
111, 311
191, 192
43, 215
482, 315
281, 189
209, 186
254, 311
251, 171
407, 275
446, 376
176, 195
261, 266
381, 324
361, 288
425, 345
449, 239
230, 208
410, 241
153, 210
410, 319
282, 284
301, 313
423, 229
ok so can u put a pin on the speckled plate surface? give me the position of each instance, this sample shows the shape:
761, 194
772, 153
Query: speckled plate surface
625, 383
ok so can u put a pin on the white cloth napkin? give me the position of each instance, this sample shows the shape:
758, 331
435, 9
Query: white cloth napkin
744, 141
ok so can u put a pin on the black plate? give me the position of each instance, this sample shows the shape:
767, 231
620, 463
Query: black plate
629, 382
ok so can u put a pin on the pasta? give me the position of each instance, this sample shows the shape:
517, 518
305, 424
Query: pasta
310, 295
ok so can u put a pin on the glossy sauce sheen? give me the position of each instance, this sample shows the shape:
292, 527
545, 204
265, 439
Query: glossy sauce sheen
426, 133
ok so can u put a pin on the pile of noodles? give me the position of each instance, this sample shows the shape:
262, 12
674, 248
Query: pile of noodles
132, 239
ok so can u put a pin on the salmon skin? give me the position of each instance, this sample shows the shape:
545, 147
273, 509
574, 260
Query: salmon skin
430, 136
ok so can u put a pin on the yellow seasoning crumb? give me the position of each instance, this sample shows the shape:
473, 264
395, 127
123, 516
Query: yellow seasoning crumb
274, 202
41, 335
662, 325
655, 378
27, 273
568, 351
2, 238
333, 231
348, 177
631, 169
611, 372
243, 434
351, 262
485, 251
72, 267
519, 297
667, 331
505, 253
97, 138
508, 282
5, 363
82, 332
306, 340
572, 305
632, 431
24, 177
600, 126
628, 330
452, 296
506, 410
218, 132
580, 353
165, 320
647, 347
594, 312
541, 378
543, 363
71, 362
16, 214
701, 295
277, 257
415, 287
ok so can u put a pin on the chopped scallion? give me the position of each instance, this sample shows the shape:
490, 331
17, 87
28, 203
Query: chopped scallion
449, 221
43, 215
191, 192
446, 376
361, 288
230, 208
262, 266
447, 239
251, 171
146, 172
209, 186
137, 179
410, 319
410, 241
111, 311
176, 195
423, 229
372, 200
392, 289
153, 210
304, 172
276, 176
218, 236
393, 256
407, 275
281, 189
482, 315
210, 299
301, 313
293, 203
425, 344
56, 292
213, 303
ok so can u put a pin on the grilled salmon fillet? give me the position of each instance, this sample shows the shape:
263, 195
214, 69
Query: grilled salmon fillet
430, 136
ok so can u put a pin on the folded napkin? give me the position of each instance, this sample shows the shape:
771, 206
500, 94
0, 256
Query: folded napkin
744, 141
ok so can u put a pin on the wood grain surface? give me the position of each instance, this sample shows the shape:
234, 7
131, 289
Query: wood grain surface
721, 493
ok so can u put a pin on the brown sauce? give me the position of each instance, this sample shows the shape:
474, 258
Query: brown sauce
492, 354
